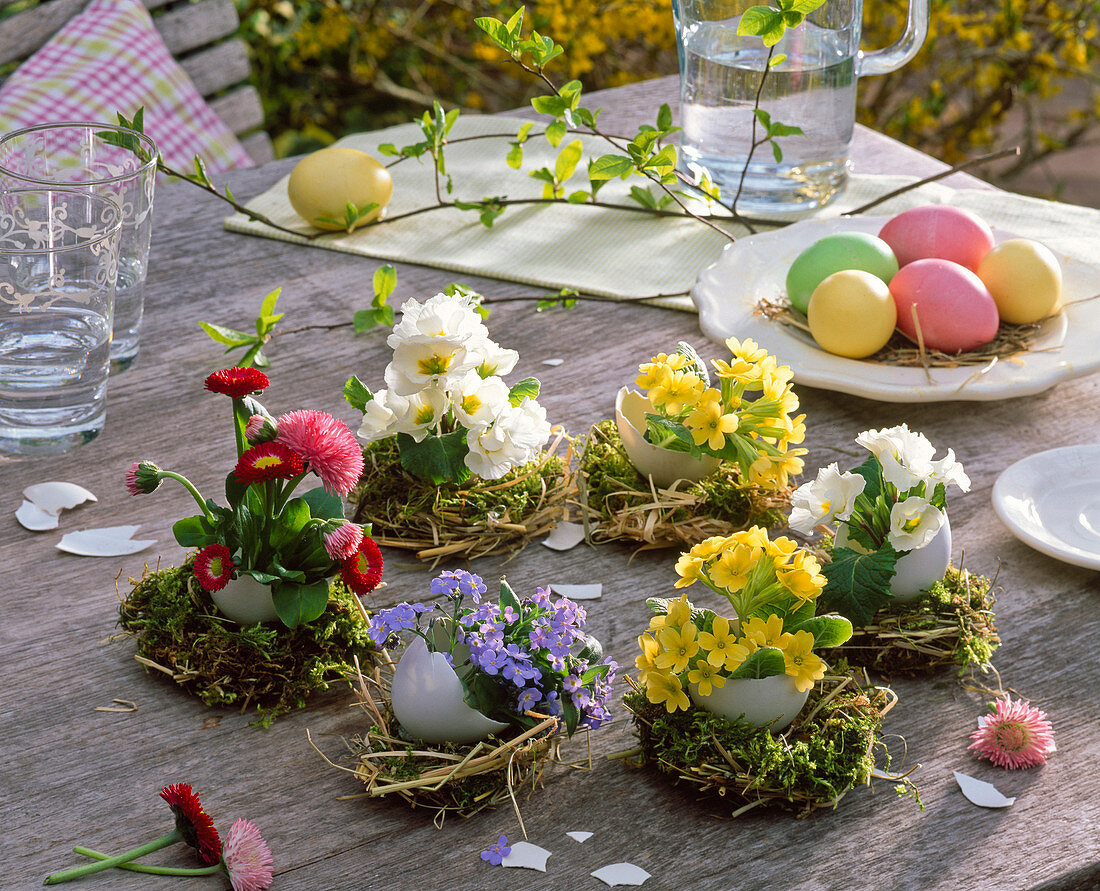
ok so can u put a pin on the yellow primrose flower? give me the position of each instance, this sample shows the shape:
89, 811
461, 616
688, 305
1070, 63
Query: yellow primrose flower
709, 426
781, 549
679, 389
653, 374
754, 536
802, 583
747, 349
738, 369
678, 611
731, 570
764, 632
704, 675
721, 645
644, 663
709, 547
689, 568
679, 645
803, 665
666, 688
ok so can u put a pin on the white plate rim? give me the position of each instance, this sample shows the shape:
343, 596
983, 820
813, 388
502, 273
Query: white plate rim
1012, 483
763, 254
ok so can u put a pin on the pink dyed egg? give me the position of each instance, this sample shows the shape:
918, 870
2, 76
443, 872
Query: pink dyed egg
956, 311
936, 231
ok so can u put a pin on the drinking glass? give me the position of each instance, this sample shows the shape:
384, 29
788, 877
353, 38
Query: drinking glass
813, 87
58, 265
107, 160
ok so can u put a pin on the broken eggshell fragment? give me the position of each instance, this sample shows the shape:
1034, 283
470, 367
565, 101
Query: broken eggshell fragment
428, 700
56, 496
32, 517
663, 466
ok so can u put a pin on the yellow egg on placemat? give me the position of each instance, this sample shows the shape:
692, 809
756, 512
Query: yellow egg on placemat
323, 184
851, 313
1025, 280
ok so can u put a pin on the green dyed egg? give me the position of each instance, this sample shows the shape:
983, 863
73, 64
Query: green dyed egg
835, 253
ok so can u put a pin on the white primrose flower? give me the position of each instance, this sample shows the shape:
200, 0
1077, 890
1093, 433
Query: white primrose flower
828, 498
490, 358
905, 456
477, 402
422, 412
492, 451
379, 416
440, 362
950, 472
441, 316
914, 522
527, 426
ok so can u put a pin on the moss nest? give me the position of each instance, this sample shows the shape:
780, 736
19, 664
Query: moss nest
950, 625
471, 519
621, 505
444, 777
275, 668
828, 749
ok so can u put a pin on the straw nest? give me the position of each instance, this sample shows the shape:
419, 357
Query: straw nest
472, 519
828, 749
951, 625
447, 777
271, 667
618, 504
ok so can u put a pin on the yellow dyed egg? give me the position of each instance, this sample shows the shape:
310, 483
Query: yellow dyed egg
1025, 280
852, 314
322, 184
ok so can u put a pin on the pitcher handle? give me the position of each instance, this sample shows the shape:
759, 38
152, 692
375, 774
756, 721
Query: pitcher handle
891, 58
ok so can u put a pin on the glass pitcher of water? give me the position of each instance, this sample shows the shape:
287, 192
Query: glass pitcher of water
813, 87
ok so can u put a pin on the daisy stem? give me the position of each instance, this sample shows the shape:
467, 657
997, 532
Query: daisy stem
80, 871
190, 487
153, 870
240, 419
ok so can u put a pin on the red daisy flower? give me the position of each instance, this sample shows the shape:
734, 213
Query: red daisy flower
328, 447
237, 382
192, 822
213, 566
343, 541
363, 570
268, 461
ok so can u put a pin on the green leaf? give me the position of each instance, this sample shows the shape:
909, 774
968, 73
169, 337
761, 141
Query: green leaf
267, 308
514, 159
672, 435
872, 473
777, 59
858, 585
686, 350
356, 393
193, 532
524, 129
555, 132
496, 30
777, 152
438, 459
828, 631
609, 166
778, 129
515, 23
364, 320
324, 505
659, 607
526, 388
763, 22
579, 197
572, 716
297, 604
385, 280
643, 196
664, 117
388, 148
290, 523
508, 596
551, 105
805, 7
229, 336
763, 663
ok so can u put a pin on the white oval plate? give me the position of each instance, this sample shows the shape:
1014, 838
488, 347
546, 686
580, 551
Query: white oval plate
755, 267
1051, 502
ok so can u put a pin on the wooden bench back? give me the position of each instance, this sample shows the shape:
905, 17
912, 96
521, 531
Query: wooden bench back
202, 36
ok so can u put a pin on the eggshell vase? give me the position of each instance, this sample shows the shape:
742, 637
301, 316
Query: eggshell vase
665, 467
918, 570
246, 601
765, 702
427, 700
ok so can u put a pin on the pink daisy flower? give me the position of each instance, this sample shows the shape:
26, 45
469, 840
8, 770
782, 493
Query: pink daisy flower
327, 446
213, 566
247, 857
362, 571
343, 541
1016, 735
237, 382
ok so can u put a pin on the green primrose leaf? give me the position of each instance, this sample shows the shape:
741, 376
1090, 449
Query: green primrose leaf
297, 604
858, 585
828, 631
763, 663
438, 459
669, 434
357, 394
526, 388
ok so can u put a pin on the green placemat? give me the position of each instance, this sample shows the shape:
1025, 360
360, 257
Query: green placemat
604, 251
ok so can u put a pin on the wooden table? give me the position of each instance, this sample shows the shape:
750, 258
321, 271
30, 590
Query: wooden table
73, 775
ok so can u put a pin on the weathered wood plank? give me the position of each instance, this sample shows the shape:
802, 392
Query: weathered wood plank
241, 109
217, 68
259, 147
191, 25
67, 763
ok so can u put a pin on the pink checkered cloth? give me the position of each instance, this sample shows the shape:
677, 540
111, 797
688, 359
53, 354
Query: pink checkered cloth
110, 58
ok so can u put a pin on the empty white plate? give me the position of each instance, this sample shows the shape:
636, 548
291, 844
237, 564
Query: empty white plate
1051, 501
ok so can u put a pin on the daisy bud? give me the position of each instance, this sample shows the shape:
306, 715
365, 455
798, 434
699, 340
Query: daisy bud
259, 430
143, 478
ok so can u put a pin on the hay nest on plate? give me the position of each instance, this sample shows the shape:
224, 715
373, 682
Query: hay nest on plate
443, 777
620, 505
471, 519
275, 668
829, 749
951, 625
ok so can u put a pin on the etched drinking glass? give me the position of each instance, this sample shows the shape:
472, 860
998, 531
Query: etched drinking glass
111, 161
58, 265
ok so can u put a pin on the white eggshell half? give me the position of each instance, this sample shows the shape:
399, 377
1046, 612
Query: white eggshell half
54, 497
246, 601
663, 466
766, 702
918, 570
32, 517
427, 700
